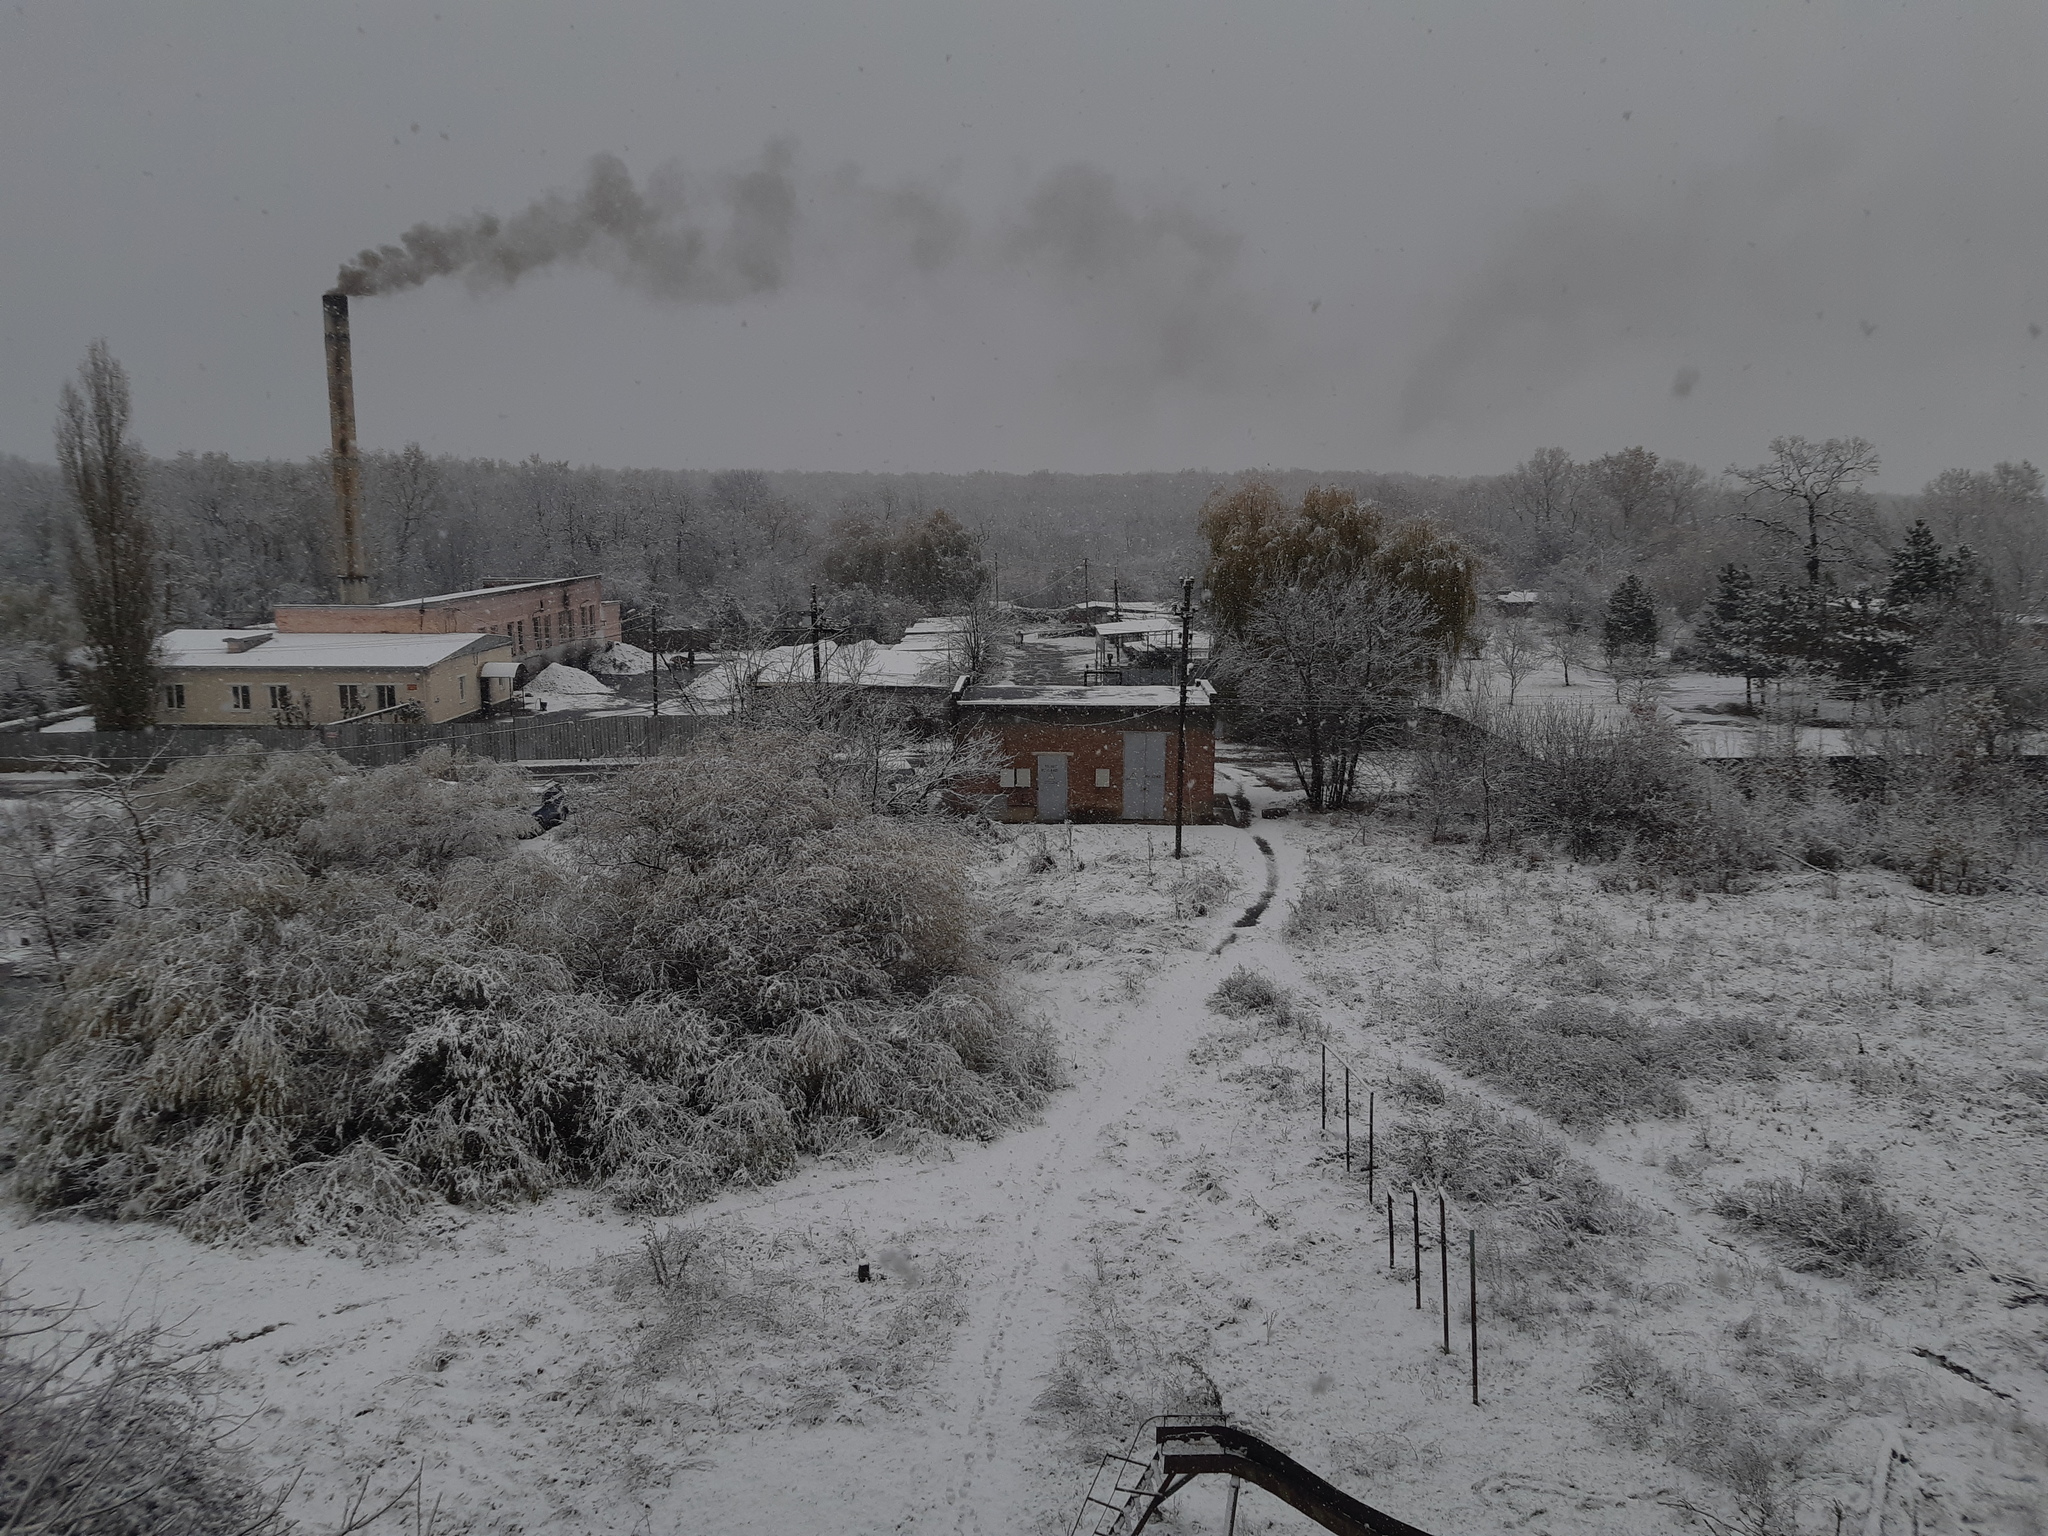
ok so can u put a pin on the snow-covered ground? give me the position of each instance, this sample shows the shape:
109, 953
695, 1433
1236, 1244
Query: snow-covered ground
1179, 1216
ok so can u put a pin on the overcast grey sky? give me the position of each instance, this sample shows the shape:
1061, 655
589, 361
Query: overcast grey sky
1097, 236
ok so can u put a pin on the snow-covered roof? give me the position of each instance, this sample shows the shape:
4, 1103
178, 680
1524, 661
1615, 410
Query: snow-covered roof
926, 657
842, 663
269, 651
1163, 624
1075, 696
932, 634
450, 597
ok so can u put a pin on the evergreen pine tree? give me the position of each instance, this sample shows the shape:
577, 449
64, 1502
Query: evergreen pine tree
1629, 627
1922, 572
1867, 642
1729, 638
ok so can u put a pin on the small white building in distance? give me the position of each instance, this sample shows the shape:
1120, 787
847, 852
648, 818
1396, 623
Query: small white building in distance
262, 677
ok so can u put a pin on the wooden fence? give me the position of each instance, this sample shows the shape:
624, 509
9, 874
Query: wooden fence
523, 739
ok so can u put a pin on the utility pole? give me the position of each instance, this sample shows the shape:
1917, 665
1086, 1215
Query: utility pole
1180, 751
817, 661
1116, 599
1087, 587
654, 651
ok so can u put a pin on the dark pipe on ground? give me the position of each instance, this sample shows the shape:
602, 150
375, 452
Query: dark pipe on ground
353, 585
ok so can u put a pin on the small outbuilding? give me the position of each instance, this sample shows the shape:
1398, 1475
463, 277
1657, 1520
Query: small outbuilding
1091, 753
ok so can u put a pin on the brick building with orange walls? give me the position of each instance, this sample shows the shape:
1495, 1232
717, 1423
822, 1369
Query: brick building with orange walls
1091, 753
539, 615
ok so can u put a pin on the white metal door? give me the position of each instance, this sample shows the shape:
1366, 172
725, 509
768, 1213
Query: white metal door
1144, 775
1052, 786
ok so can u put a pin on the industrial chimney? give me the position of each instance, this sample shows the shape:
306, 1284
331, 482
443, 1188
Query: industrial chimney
347, 470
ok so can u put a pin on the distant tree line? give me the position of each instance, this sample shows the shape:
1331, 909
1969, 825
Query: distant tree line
738, 550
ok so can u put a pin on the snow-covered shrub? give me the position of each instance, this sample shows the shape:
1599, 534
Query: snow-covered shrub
1336, 898
1244, 992
1955, 832
1197, 887
372, 998
107, 1431
1723, 1047
1576, 1062
1831, 1220
1476, 1154
1550, 1225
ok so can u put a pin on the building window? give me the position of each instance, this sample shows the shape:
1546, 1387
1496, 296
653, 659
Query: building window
174, 696
238, 695
461, 687
387, 696
1102, 778
351, 699
1015, 778
281, 696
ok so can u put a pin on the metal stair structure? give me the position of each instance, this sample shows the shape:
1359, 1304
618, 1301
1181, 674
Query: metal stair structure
1127, 1491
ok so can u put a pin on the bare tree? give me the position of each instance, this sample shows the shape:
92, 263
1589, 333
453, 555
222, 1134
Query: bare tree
1632, 481
408, 494
1516, 650
1811, 493
1570, 611
1547, 489
1319, 670
113, 551
48, 885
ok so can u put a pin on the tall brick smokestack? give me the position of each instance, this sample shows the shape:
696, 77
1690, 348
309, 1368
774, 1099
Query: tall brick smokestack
354, 583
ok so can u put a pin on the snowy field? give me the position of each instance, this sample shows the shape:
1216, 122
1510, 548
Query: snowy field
1178, 1231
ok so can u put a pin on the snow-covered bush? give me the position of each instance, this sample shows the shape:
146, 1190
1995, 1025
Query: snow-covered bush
371, 997
1576, 1062
1938, 811
1832, 1220
1549, 1225
1245, 991
1335, 898
107, 1431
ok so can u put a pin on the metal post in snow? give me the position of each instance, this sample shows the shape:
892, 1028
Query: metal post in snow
1347, 1117
817, 662
1472, 1269
654, 650
1371, 1163
1415, 1213
1230, 1521
1326, 1087
1443, 1254
1390, 1232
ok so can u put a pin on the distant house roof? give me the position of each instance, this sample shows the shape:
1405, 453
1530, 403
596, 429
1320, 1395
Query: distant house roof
268, 650
1074, 696
927, 657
